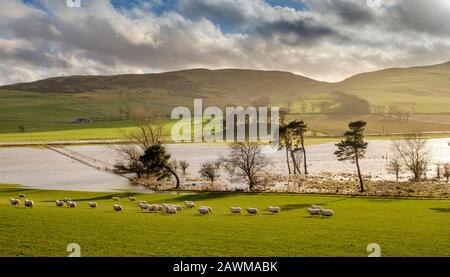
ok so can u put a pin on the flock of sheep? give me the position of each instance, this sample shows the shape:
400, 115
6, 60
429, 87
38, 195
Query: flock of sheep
314, 210
318, 210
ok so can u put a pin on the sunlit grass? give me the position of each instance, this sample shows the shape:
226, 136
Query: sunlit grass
401, 227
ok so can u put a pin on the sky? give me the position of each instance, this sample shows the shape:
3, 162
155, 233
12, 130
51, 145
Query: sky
327, 40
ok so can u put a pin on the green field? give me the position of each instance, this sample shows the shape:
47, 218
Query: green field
328, 125
401, 227
44, 110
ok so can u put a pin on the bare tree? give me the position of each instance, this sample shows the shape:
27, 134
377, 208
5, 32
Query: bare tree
149, 129
174, 164
184, 165
209, 170
148, 132
132, 164
447, 172
245, 160
394, 167
413, 154
438, 171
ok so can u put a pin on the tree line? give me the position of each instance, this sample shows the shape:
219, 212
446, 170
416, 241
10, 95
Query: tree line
146, 156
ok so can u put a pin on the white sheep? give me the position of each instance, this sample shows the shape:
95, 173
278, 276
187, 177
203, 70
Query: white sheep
152, 207
92, 204
59, 203
142, 202
115, 198
170, 209
14, 201
313, 211
203, 210
189, 204
252, 211
22, 195
67, 199
177, 207
316, 207
144, 206
132, 198
28, 203
235, 210
71, 204
117, 208
326, 213
274, 210
160, 207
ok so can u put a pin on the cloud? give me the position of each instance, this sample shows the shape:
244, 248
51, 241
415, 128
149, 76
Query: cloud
326, 40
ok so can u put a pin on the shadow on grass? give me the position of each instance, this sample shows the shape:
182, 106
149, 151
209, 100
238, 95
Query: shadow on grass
207, 196
104, 197
441, 210
290, 207
17, 190
332, 201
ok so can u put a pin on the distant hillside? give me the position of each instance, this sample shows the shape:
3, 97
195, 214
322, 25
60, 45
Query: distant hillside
220, 84
105, 98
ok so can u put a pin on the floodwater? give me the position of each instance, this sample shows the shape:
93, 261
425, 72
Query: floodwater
45, 169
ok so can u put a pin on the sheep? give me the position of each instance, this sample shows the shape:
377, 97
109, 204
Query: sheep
22, 195
115, 198
170, 209
144, 206
204, 210
189, 204
252, 211
177, 207
209, 209
313, 211
117, 208
14, 201
159, 207
28, 203
132, 198
326, 213
274, 210
92, 204
71, 204
59, 203
235, 210
67, 199
316, 207
142, 202
152, 207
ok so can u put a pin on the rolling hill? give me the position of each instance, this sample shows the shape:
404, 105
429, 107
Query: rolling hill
55, 102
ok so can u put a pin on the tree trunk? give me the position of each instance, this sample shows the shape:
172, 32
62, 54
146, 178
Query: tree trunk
359, 172
176, 177
250, 182
294, 162
287, 160
304, 155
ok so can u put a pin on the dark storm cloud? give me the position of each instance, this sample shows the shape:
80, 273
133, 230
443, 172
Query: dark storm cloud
302, 31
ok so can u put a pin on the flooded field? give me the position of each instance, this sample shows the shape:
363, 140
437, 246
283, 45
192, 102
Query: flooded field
46, 169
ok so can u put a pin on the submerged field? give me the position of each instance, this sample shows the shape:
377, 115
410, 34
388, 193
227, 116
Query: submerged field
401, 227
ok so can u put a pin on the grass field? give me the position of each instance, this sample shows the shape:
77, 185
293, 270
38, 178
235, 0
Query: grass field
330, 125
401, 227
